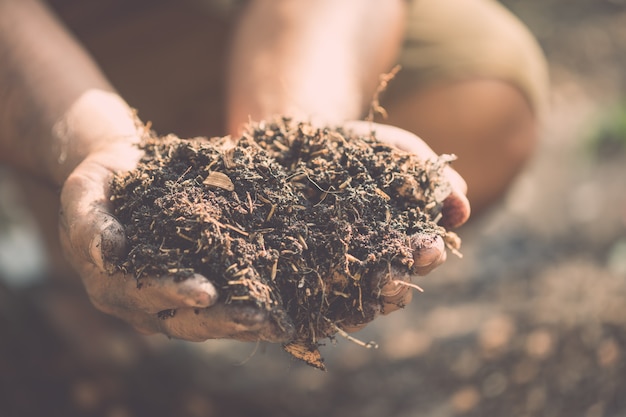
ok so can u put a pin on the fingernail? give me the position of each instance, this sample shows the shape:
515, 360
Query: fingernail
113, 236
198, 292
426, 256
389, 306
428, 249
455, 211
392, 289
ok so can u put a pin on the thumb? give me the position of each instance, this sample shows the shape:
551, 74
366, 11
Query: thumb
86, 224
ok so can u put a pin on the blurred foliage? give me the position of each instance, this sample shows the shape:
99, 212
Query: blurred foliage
609, 137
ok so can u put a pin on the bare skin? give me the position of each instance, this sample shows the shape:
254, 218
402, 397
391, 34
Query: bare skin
314, 60
64, 123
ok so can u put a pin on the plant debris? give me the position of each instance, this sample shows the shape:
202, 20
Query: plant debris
301, 221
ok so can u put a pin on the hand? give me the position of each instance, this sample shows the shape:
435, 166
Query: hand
456, 207
429, 250
94, 241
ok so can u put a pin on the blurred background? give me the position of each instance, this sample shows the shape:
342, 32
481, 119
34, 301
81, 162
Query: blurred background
531, 322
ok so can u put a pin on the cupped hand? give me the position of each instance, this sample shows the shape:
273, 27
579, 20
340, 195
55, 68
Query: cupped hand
456, 207
429, 250
94, 242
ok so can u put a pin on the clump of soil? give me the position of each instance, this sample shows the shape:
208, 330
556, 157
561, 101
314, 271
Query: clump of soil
306, 223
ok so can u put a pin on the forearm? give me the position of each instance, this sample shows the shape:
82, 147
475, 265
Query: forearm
55, 105
313, 59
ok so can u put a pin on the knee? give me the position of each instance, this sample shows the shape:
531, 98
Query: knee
488, 124
474, 83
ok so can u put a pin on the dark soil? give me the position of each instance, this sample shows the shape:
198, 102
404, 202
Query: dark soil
306, 223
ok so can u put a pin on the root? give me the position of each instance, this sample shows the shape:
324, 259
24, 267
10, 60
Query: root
409, 284
366, 345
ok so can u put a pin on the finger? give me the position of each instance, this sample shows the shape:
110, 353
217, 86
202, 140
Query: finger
94, 234
160, 293
174, 321
455, 210
397, 292
108, 246
402, 296
119, 291
429, 251
112, 293
392, 135
240, 322
456, 207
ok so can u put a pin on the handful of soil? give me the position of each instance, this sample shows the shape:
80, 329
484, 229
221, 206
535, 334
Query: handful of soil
300, 221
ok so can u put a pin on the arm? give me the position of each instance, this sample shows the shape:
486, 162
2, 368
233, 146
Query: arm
55, 105
60, 120
312, 59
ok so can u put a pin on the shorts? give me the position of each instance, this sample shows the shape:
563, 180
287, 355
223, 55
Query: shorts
455, 40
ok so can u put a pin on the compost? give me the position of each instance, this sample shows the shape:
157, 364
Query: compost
305, 222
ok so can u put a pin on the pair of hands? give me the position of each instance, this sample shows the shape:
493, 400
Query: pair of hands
94, 241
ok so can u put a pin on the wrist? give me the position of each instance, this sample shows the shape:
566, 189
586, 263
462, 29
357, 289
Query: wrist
284, 62
97, 119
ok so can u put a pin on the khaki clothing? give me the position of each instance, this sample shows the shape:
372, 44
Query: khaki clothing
463, 39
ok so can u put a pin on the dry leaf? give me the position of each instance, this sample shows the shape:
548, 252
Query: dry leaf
310, 355
219, 180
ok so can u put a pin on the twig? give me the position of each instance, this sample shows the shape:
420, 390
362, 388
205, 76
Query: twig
366, 345
408, 284
375, 107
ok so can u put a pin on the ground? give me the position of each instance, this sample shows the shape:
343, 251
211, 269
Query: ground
531, 322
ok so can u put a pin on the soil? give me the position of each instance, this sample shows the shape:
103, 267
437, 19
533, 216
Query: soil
306, 223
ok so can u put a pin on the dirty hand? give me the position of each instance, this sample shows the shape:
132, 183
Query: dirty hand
429, 250
94, 241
